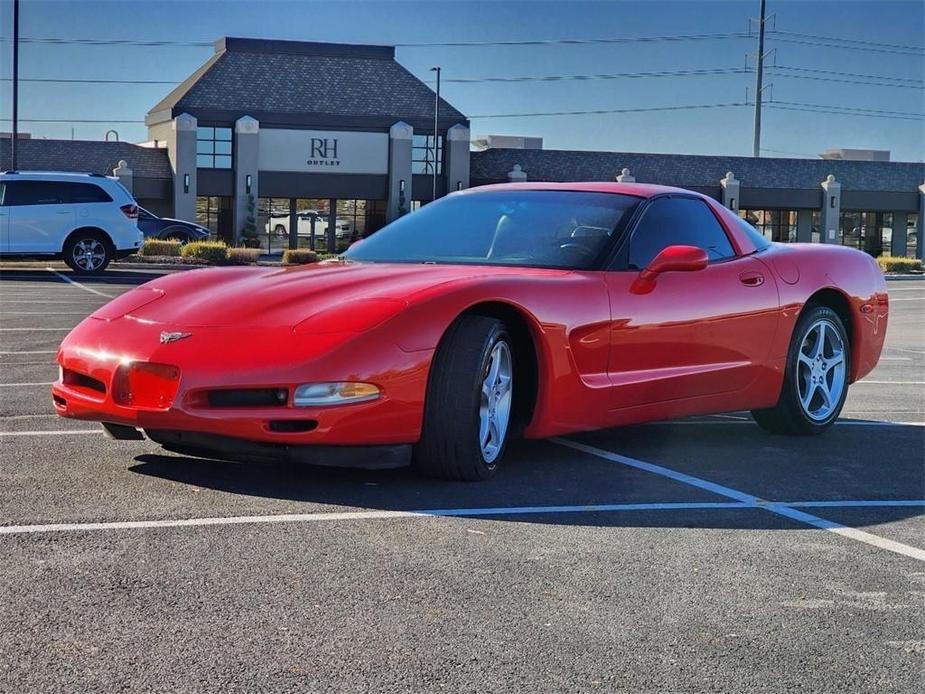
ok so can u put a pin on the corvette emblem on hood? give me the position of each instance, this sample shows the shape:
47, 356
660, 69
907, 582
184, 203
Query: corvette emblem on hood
172, 337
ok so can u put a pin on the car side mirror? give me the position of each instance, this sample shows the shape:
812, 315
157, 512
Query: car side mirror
675, 259
670, 259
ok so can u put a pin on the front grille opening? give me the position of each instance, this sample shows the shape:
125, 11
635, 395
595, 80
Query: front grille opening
79, 380
292, 426
248, 397
59, 401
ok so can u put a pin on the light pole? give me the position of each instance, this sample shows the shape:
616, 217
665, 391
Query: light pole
436, 68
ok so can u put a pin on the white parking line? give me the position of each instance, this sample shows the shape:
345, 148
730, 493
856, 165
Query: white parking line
77, 284
895, 358
864, 381
33, 351
43, 313
34, 330
59, 432
914, 298
492, 511
23, 385
781, 509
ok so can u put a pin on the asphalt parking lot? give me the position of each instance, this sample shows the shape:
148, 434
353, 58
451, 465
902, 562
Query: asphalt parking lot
702, 555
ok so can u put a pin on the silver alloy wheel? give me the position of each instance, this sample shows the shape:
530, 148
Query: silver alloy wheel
495, 408
821, 370
89, 254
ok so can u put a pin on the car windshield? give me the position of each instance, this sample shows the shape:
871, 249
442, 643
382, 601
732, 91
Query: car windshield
536, 228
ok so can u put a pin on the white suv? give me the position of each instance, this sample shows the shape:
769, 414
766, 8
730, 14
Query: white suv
86, 219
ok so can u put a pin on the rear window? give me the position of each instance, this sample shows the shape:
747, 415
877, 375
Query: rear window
53, 193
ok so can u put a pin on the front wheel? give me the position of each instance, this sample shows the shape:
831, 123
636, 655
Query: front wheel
815, 379
467, 413
87, 253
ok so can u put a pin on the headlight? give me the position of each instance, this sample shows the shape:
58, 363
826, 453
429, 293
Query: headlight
320, 394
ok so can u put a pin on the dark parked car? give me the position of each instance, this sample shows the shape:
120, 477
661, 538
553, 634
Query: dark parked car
154, 227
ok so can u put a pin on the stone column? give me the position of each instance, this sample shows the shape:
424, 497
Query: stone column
625, 177
182, 156
246, 149
517, 174
124, 174
898, 238
731, 190
831, 210
400, 138
456, 166
804, 226
920, 228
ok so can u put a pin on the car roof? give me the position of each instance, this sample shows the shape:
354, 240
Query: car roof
639, 190
51, 175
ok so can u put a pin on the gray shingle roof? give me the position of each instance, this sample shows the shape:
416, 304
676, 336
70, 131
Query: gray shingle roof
86, 155
695, 171
289, 77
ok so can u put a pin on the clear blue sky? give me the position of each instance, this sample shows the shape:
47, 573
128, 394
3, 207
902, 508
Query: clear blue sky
720, 131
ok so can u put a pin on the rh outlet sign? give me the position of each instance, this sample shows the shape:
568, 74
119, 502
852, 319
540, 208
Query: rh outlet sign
324, 150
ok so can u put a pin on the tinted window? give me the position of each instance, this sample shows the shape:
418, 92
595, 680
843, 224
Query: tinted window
52, 193
677, 221
540, 228
756, 237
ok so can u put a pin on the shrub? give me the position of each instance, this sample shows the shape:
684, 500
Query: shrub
299, 256
160, 247
243, 256
890, 263
213, 252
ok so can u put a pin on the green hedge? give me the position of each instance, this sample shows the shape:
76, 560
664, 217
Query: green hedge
213, 252
889, 263
160, 247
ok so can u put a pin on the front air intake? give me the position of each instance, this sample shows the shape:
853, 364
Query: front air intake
248, 397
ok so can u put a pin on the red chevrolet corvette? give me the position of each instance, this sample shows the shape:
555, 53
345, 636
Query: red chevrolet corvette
522, 309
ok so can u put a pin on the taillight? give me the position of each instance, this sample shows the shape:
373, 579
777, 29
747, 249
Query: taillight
130, 211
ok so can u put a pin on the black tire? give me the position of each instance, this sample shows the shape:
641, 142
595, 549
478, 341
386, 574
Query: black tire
98, 242
788, 415
450, 446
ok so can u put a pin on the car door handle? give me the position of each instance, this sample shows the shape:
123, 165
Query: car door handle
751, 279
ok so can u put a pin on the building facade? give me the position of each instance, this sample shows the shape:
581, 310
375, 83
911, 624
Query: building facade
335, 140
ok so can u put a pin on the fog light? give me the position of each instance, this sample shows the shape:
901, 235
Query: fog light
320, 394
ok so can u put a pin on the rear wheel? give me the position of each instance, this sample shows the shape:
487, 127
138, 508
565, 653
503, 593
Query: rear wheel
467, 413
88, 253
816, 377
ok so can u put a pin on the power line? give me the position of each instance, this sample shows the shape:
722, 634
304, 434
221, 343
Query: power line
782, 105
52, 40
611, 111
847, 74
846, 80
821, 43
606, 76
847, 40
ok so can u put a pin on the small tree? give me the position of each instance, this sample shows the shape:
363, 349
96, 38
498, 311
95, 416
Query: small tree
249, 229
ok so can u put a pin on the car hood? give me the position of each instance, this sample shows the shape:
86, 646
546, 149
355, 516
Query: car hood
322, 297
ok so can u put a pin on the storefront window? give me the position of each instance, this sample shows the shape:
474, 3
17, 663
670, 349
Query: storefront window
213, 148
362, 217
871, 232
912, 235
776, 225
214, 213
424, 155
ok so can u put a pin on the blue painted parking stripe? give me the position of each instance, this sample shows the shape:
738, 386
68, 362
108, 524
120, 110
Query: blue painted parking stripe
859, 503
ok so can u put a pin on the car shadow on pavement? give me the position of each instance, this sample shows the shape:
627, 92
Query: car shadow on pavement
544, 474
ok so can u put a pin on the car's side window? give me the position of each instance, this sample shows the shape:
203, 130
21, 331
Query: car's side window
31, 193
677, 221
82, 192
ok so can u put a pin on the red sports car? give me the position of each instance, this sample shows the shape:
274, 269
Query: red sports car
523, 309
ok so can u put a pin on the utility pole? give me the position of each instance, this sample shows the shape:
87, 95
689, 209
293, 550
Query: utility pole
436, 68
15, 84
759, 83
